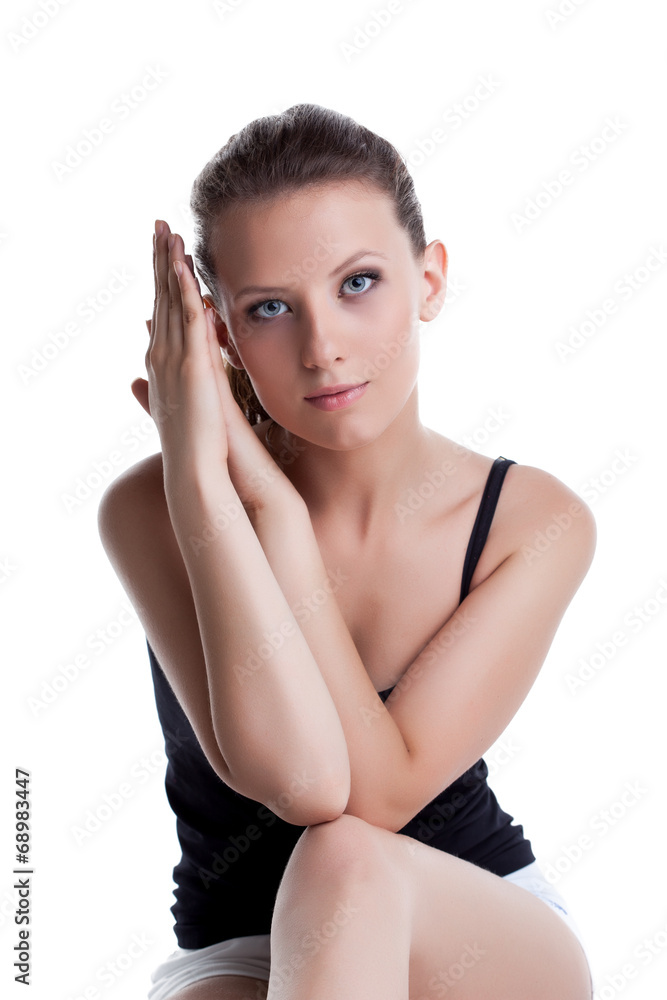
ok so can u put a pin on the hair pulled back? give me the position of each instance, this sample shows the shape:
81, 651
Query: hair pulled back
279, 154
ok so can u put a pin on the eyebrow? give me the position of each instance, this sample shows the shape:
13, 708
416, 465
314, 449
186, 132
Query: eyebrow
270, 290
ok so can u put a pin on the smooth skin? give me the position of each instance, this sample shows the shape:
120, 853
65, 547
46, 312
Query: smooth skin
319, 500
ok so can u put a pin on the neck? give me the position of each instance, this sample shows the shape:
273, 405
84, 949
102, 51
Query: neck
360, 488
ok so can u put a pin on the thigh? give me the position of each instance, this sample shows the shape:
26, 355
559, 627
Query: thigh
485, 936
224, 988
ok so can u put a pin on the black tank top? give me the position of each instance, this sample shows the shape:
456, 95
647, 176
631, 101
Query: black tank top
234, 850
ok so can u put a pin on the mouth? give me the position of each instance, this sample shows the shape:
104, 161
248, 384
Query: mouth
331, 390
335, 397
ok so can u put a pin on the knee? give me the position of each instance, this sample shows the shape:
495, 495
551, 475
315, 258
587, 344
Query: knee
344, 848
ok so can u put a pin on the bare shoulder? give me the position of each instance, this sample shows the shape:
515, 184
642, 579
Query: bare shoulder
140, 488
143, 481
538, 519
133, 516
147, 473
539, 513
137, 535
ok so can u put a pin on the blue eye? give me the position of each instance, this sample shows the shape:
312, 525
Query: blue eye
270, 304
360, 277
262, 305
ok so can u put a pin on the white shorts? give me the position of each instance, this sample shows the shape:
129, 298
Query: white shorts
251, 955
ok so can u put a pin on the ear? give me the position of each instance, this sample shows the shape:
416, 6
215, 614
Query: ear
222, 331
435, 280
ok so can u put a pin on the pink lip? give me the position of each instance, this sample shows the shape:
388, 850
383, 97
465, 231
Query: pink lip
330, 389
335, 397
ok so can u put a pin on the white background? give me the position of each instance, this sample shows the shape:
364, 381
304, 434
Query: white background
552, 86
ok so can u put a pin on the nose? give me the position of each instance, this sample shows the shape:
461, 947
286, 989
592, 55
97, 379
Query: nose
323, 341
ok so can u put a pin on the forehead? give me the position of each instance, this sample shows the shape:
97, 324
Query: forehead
319, 225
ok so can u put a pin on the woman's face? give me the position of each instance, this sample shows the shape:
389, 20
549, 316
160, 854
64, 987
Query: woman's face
336, 300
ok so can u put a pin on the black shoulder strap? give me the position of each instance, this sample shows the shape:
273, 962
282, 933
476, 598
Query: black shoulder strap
483, 521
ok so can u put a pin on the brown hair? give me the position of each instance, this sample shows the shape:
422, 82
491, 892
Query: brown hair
304, 145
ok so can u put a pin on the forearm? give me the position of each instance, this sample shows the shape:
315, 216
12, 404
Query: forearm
273, 716
377, 751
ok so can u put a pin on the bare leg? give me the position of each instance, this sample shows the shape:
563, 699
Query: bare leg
366, 914
341, 926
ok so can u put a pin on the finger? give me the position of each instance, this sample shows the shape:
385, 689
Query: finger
195, 323
140, 392
176, 331
160, 323
148, 325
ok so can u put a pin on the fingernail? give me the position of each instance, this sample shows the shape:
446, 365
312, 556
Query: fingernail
171, 240
158, 227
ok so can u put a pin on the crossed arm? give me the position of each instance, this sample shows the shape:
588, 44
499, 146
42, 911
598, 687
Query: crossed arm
279, 704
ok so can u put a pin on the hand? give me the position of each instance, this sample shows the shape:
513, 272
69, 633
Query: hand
188, 392
186, 378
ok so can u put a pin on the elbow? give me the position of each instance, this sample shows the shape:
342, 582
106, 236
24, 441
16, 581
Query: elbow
309, 801
381, 808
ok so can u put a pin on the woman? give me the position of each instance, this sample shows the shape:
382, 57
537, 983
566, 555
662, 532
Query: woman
326, 677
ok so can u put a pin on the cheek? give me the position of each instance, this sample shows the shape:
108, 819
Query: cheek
397, 341
266, 370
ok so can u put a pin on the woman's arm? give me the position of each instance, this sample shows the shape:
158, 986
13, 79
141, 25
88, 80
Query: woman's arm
463, 689
273, 717
272, 734
283, 694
